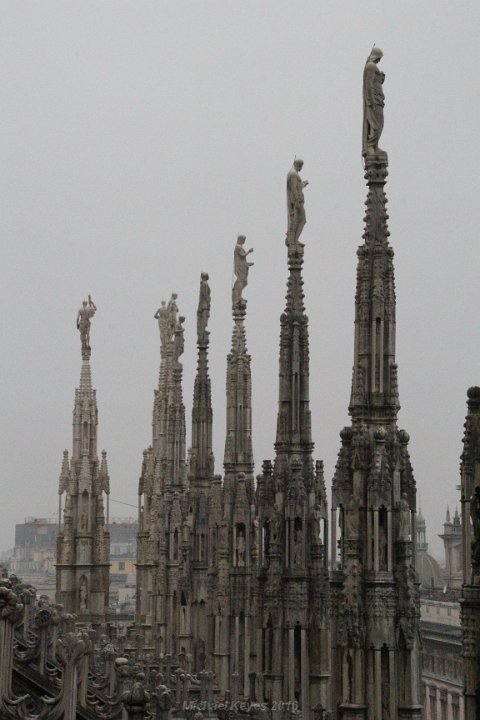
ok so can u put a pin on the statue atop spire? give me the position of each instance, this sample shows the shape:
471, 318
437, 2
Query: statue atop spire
295, 205
373, 104
84, 317
168, 323
203, 310
240, 269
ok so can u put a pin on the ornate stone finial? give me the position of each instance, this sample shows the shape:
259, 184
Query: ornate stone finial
240, 269
373, 104
84, 317
203, 310
295, 205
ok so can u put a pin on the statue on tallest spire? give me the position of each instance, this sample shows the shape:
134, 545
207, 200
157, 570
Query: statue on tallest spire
84, 317
373, 104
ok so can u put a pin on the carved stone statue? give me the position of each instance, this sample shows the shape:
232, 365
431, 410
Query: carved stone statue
373, 103
351, 520
85, 314
203, 310
83, 595
298, 548
404, 522
241, 548
240, 269
172, 312
316, 526
295, 204
162, 315
179, 341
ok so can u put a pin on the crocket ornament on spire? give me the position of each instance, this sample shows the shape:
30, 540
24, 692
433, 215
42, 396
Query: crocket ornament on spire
84, 317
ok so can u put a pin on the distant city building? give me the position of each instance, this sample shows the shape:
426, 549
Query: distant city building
452, 540
34, 550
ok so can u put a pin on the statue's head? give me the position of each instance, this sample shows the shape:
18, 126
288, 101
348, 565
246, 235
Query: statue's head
298, 164
174, 296
241, 239
376, 55
84, 303
204, 276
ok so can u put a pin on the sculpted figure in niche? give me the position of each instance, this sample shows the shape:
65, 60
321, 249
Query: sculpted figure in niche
83, 595
275, 525
203, 310
240, 546
298, 548
317, 517
295, 203
240, 269
404, 523
351, 520
162, 315
84, 317
373, 104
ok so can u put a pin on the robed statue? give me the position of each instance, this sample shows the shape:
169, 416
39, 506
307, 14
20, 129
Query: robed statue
295, 204
240, 269
162, 315
203, 310
373, 104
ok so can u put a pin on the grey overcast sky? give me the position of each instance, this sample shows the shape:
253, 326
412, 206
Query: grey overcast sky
137, 140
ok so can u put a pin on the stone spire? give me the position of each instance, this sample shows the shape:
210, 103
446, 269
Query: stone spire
201, 465
238, 441
375, 384
83, 544
374, 592
164, 471
292, 512
470, 602
169, 444
294, 437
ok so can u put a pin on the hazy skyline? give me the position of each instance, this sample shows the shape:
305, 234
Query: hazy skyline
138, 140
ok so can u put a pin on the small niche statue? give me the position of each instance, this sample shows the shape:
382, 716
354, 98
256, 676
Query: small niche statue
240, 269
373, 104
83, 595
84, 317
405, 518
295, 204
